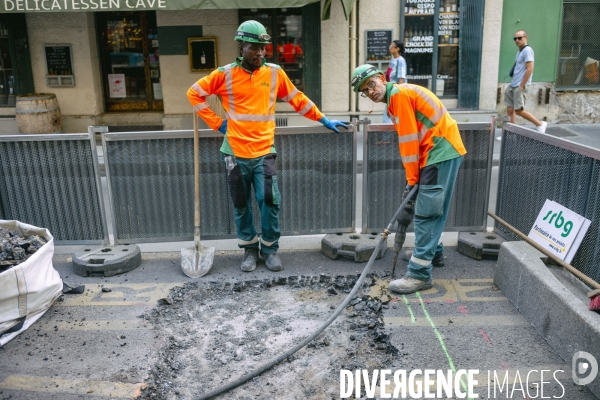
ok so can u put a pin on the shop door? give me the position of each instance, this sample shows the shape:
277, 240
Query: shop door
290, 29
443, 41
130, 61
15, 62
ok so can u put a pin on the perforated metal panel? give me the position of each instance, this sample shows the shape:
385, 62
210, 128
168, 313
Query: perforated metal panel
385, 178
536, 167
52, 181
317, 178
151, 183
587, 259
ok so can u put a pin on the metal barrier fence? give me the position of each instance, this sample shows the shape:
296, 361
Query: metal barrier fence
53, 181
151, 186
384, 177
535, 167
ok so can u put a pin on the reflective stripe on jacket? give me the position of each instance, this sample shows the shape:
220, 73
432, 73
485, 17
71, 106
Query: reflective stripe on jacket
249, 98
427, 134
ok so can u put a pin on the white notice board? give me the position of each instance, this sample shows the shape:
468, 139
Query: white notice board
559, 230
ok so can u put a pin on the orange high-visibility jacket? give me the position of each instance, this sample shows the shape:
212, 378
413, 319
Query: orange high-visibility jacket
427, 134
249, 100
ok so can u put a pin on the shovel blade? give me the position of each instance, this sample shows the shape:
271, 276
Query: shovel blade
197, 263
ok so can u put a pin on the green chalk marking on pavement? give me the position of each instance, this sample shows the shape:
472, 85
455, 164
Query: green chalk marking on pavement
439, 336
412, 316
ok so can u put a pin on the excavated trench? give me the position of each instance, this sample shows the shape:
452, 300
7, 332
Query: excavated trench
215, 332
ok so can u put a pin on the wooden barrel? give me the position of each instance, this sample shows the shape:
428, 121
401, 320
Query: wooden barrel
38, 113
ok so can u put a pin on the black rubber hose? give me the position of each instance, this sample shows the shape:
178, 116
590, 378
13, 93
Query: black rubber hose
333, 316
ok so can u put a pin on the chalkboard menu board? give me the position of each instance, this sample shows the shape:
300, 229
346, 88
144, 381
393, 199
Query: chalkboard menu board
58, 59
378, 42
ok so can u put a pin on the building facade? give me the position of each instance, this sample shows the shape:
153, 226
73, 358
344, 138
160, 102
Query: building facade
565, 37
127, 63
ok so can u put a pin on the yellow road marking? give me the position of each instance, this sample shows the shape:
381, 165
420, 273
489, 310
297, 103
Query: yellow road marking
460, 320
143, 294
464, 287
459, 290
101, 325
134, 294
72, 386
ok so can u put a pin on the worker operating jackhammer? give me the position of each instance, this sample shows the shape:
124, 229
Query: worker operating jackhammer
431, 150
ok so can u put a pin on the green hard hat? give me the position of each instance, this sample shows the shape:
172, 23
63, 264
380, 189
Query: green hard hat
253, 32
362, 73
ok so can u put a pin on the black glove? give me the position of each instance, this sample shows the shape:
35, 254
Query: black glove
407, 191
408, 212
404, 219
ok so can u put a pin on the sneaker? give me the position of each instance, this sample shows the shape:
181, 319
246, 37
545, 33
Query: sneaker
542, 127
250, 259
407, 285
438, 259
272, 261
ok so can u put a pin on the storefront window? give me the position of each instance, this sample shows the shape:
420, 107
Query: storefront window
424, 46
285, 27
448, 29
7, 79
579, 58
131, 61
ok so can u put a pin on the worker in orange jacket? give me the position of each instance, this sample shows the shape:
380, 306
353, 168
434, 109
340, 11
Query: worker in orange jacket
248, 89
292, 52
431, 150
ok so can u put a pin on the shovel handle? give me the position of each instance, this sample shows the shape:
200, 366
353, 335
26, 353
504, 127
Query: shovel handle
196, 184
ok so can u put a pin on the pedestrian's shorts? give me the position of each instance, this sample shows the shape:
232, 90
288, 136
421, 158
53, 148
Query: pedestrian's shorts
515, 97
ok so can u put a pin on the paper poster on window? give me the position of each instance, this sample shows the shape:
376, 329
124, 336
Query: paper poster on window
116, 85
157, 89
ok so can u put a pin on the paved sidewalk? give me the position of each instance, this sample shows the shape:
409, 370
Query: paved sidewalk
95, 345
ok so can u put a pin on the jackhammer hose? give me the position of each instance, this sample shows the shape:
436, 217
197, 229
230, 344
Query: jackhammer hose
333, 316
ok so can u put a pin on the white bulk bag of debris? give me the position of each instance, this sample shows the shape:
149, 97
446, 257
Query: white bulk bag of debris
28, 289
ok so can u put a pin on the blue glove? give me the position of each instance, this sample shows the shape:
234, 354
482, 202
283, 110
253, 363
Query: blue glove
332, 124
223, 127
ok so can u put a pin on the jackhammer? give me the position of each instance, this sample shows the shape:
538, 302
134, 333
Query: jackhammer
406, 216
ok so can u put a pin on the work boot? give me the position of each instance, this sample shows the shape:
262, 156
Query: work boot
272, 261
407, 285
438, 259
250, 259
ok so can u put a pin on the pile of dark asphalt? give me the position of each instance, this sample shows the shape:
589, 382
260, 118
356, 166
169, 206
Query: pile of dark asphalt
16, 248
